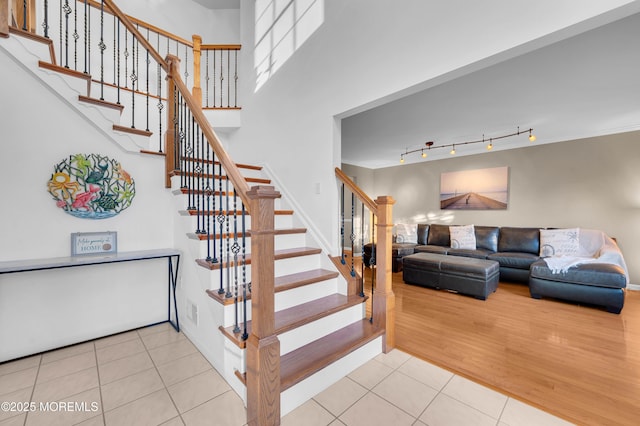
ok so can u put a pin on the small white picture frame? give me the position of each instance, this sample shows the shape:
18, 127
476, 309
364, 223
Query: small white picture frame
94, 243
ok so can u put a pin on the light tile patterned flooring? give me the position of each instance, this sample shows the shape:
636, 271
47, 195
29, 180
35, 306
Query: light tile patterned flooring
155, 376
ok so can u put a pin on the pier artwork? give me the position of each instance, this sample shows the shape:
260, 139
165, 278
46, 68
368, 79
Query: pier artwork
472, 201
479, 189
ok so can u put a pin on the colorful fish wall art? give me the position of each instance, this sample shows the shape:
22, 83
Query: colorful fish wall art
91, 186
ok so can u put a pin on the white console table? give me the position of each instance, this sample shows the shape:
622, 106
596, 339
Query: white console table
173, 263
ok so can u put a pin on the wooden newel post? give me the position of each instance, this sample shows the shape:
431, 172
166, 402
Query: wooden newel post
263, 346
196, 91
384, 301
170, 134
5, 17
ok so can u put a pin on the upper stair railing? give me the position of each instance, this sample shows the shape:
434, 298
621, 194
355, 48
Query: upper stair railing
381, 211
218, 195
92, 40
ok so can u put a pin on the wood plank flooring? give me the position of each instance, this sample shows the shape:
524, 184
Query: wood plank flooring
576, 362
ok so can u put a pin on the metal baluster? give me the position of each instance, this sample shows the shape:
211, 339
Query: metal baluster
245, 335
115, 43
221, 77
126, 57
24, 16
235, 84
118, 67
209, 194
186, 67
212, 218
75, 35
182, 146
235, 249
342, 259
352, 236
191, 161
60, 33
221, 223
206, 78
214, 79
67, 11
199, 188
160, 106
134, 77
89, 40
45, 25
86, 41
147, 89
102, 48
362, 250
372, 263
228, 238
228, 78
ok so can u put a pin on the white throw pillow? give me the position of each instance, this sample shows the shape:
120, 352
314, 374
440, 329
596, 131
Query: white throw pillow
559, 242
407, 233
463, 237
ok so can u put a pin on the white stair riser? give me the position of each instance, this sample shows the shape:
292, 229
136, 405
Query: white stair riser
301, 336
306, 389
296, 296
283, 241
281, 222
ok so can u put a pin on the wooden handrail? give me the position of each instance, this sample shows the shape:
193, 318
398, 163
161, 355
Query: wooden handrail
364, 198
220, 46
96, 4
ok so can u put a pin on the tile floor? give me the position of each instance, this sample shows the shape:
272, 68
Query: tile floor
155, 376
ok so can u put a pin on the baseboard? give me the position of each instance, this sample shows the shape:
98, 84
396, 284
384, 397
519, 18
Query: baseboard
633, 287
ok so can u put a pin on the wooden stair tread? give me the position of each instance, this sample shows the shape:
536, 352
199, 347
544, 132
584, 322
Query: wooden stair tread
213, 176
100, 102
286, 231
299, 315
132, 130
284, 282
301, 363
229, 212
278, 255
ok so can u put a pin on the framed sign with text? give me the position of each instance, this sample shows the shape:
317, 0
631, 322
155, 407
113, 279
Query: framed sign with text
93, 243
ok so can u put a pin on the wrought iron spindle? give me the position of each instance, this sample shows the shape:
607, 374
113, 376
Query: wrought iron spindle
199, 188
214, 78
362, 265
88, 41
67, 11
206, 78
135, 49
115, 43
118, 67
24, 15
245, 335
235, 249
126, 57
209, 195
228, 79
352, 236
228, 239
235, 83
45, 25
191, 160
221, 77
181, 149
372, 262
342, 259
186, 61
147, 88
102, 47
220, 227
160, 106
76, 36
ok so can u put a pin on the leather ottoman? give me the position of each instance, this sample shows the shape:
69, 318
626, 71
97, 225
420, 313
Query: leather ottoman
474, 277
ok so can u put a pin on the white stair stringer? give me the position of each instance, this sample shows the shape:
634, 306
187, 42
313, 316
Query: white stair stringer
28, 52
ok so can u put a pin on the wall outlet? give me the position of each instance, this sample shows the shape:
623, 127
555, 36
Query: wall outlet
192, 312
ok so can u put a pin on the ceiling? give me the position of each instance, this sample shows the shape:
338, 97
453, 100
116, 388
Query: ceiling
219, 4
583, 86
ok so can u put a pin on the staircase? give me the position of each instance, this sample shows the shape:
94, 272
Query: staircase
323, 332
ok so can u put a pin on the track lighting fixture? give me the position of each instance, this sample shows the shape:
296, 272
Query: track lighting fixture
429, 144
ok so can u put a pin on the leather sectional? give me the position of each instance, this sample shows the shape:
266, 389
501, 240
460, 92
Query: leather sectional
600, 282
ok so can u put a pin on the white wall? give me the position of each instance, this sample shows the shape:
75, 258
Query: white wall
589, 183
47, 309
367, 52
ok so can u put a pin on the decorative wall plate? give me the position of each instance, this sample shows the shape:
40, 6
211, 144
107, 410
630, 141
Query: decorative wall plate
91, 186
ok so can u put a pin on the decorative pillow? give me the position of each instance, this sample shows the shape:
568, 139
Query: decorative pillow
407, 233
559, 242
463, 237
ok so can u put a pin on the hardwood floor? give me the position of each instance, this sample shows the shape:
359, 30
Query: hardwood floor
579, 363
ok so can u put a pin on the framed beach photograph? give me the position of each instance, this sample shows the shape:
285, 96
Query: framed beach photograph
480, 189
